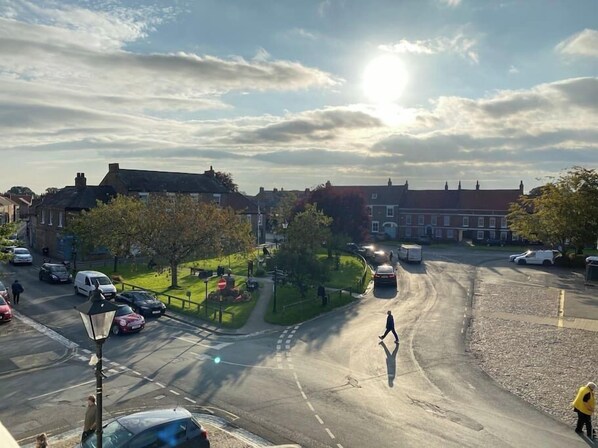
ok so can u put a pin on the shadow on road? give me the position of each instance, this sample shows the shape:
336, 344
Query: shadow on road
391, 362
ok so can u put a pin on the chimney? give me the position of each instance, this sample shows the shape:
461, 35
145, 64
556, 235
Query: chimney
446, 186
328, 184
275, 190
261, 189
80, 181
113, 167
459, 187
406, 185
389, 182
210, 173
477, 184
521, 187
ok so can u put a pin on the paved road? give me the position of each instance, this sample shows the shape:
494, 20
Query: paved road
326, 382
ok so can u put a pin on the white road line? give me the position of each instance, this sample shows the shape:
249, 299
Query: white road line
561, 308
199, 342
136, 372
61, 390
190, 400
174, 392
288, 346
278, 346
297, 327
319, 419
160, 385
338, 445
296, 377
293, 332
299, 385
285, 331
311, 407
159, 397
330, 433
86, 351
113, 371
148, 379
303, 395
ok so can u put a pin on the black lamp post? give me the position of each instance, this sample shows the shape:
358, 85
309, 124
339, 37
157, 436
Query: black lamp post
206, 300
97, 315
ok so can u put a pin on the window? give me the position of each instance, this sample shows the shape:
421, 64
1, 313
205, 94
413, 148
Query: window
374, 196
248, 218
369, 209
438, 233
50, 217
143, 197
375, 226
480, 221
217, 198
480, 235
503, 236
390, 211
434, 220
492, 235
503, 222
421, 231
450, 234
408, 220
466, 221
408, 232
420, 220
447, 220
492, 222
43, 216
60, 219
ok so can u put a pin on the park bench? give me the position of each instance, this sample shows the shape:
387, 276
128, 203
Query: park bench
200, 272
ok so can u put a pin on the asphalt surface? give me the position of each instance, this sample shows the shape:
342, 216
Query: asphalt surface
326, 382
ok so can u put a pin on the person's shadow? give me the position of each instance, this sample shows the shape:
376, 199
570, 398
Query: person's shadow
391, 362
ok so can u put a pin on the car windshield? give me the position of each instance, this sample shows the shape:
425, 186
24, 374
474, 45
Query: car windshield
2, 287
385, 270
22, 251
100, 280
124, 310
143, 296
59, 269
2, 301
114, 435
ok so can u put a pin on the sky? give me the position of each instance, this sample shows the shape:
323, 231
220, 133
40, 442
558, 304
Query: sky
291, 94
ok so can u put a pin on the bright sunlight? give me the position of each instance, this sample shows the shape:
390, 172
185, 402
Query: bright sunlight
384, 79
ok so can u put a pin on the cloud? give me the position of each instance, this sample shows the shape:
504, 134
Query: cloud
450, 3
459, 44
513, 70
584, 43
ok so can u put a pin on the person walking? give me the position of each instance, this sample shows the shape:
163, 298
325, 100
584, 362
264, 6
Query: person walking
250, 268
41, 441
391, 255
390, 326
89, 424
584, 404
17, 289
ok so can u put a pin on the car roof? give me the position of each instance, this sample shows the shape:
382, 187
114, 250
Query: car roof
91, 273
140, 421
53, 265
385, 268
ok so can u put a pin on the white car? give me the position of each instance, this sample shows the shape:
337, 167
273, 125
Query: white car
523, 254
592, 259
20, 255
542, 257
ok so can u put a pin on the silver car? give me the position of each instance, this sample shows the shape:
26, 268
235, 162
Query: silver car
20, 255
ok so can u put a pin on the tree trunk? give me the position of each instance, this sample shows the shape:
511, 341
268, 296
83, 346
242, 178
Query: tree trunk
173, 275
115, 263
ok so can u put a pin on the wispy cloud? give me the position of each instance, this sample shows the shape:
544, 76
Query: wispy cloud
584, 43
450, 3
459, 44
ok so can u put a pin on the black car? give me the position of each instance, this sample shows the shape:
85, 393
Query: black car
142, 302
55, 273
175, 427
385, 274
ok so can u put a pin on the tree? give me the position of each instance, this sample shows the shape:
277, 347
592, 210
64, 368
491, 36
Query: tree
564, 211
347, 208
20, 190
114, 225
6, 230
176, 229
226, 179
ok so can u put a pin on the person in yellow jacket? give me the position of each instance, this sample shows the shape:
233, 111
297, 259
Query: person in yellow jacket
584, 404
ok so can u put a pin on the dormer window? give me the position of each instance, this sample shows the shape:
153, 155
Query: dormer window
217, 198
374, 195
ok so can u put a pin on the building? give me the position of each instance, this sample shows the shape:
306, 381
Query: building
9, 210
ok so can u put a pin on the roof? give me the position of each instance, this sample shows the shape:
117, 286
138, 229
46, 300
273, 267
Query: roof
6, 201
73, 198
384, 194
271, 198
171, 182
459, 199
241, 203
142, 420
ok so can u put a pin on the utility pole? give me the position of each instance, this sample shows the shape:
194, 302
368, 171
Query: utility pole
275, 281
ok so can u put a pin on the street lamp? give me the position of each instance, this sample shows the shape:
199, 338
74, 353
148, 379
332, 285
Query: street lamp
206, 300
97, 315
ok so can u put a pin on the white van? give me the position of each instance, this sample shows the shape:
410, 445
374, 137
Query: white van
85, 283
411, 253
543, 257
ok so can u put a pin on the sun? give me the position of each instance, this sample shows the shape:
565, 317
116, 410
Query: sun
384, 79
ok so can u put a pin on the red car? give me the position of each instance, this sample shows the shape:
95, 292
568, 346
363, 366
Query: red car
3, 292
5, 311
127, 321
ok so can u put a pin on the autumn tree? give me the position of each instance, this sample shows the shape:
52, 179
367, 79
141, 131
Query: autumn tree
177, 229
114, 225
226, 179
564, 211
20, 190
6, 230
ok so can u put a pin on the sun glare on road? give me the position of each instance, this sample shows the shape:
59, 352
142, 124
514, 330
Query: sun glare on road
384, 79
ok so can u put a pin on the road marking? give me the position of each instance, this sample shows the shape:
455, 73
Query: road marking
561, 308
288, 346
278, 346
159, 397
160, 385
330, 433
338, 445
311, 407
136, 372
303, 395
319, 419
174, 392
190, 400
199, 342
61, 390
148, 379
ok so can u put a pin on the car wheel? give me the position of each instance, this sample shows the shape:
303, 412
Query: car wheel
76, 291
521, 262
546, 263
115, 330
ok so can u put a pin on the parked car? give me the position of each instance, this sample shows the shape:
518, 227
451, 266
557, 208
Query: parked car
54, 273
592, 259
385, 274
127, 321
512, 257
85, 283
142, 302
494, 242
173, 427
21, 255
5, 311
543, 257
3, 291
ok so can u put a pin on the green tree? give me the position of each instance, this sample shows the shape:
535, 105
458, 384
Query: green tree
114, 225
20, 190
564, 211
6, 230
177, 229
226, 179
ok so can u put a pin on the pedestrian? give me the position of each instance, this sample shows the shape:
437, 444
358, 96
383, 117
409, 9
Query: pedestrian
390, 326
322, 294
584, 404
41, 441
17, 289
89, 425
391, 256
250, 268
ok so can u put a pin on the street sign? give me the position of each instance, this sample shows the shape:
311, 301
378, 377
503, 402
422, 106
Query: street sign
221, 283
